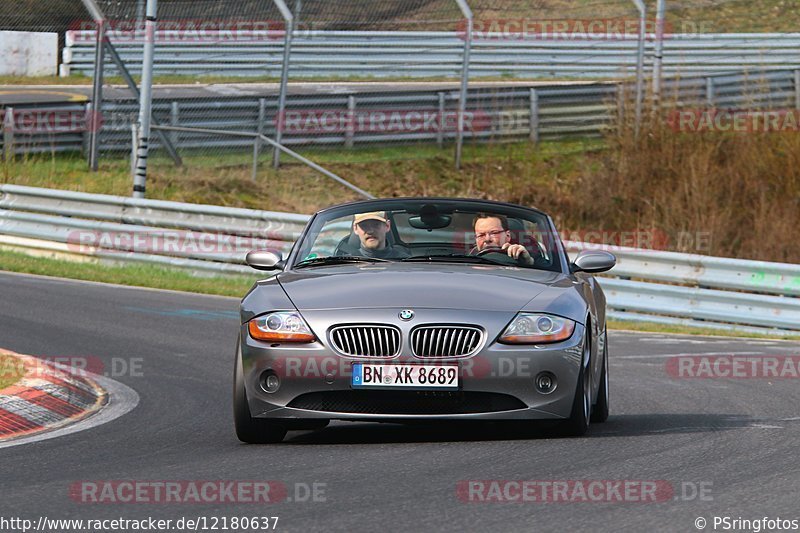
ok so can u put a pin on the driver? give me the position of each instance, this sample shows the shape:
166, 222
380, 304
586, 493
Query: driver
371, 229
491, 231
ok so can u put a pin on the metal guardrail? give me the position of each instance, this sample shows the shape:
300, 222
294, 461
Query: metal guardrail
646, 285
507, 113
371, 53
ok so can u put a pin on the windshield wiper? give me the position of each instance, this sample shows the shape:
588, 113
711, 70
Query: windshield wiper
455, 258
339, 260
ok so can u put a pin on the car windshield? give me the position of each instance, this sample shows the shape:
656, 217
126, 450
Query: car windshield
449, 231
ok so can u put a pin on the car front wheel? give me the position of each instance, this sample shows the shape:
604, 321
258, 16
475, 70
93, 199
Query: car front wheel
578, 422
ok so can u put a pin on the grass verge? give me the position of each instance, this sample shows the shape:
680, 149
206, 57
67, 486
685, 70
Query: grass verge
134, 275
11, 370
652, 327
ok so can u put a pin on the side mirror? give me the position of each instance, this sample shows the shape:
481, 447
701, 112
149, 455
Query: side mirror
264, 260
594, 261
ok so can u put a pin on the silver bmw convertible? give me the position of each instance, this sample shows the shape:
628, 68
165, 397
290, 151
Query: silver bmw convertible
412, 309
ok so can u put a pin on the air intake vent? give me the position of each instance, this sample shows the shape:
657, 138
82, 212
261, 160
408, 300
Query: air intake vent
445, 341
366, 340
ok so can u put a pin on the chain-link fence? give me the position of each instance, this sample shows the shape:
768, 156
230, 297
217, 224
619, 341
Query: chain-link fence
376, 51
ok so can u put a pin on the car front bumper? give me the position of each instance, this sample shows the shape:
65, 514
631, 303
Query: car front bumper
496, 383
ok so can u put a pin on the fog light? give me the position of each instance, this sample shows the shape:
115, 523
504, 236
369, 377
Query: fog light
546, 382
270, 382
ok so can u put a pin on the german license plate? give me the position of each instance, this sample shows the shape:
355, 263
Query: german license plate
374, 376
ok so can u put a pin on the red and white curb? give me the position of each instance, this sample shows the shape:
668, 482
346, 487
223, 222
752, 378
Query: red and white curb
46, 398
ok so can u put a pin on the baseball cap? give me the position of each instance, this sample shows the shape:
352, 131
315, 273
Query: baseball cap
375, 215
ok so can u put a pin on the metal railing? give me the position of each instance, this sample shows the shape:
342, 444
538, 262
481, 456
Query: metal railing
646, 285
414, 54
504, 113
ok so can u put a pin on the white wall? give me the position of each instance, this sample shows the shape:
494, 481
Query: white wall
24, 53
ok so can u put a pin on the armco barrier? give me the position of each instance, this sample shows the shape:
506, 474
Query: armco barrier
509, 113
645, 285
410, 54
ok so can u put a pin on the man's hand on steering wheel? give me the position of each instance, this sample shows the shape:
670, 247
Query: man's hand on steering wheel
515, 251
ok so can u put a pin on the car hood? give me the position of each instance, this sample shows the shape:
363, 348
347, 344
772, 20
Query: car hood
441, 286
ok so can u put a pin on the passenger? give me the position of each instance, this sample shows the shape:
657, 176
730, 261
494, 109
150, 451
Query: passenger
492, 231
371, 229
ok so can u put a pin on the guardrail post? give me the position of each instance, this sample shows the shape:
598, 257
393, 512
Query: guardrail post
262, 116
440, 132
8, 135
797, 89
174, 120
350, 125
710, 91
620, 107
534, 116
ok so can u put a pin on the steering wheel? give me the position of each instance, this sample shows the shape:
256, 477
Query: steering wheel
501, 255
492, 250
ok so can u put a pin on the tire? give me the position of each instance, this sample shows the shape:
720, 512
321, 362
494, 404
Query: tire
600, 409
248, 429
578, 423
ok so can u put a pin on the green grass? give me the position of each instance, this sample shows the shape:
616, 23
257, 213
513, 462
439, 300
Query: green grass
133, 275
11, 370
653, 327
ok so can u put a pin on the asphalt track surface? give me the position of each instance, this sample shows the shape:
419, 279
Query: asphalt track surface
736, 440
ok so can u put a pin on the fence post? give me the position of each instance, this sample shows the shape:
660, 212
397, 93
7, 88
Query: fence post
8, 134
97, 95
534, 116
797, 89
288, 20
462, 101
640, 64
174, 120
134, 147
710, 91
350, 125
620, 108
86, 137
440, 132
262, 116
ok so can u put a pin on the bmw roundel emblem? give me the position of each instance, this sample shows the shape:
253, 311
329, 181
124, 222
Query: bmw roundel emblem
406, 314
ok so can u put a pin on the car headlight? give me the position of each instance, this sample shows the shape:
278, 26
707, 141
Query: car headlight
281, 326
537, 328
